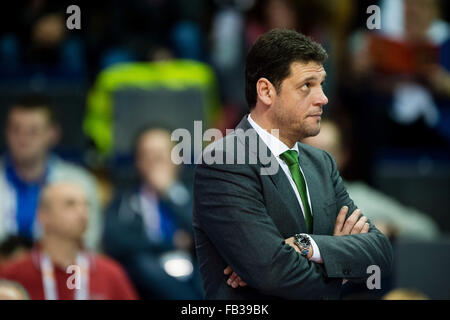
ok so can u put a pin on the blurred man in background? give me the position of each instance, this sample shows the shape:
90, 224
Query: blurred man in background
389, 215
41, 43
148, 227
28, 165
45, 272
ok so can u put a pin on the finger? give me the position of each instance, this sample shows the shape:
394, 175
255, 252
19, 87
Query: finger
359, 225
351, 221
242, 283
239, 282
227, 270
232, 278
340, 219
366, 228
236, 281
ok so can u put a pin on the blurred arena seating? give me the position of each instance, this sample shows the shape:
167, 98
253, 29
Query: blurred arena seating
133, 111
423, 266
164, 109
418, 178
181, 92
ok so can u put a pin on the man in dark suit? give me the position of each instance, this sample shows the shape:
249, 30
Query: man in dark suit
273, 212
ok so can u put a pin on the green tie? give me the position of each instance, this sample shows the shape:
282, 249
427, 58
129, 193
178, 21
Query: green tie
290, 157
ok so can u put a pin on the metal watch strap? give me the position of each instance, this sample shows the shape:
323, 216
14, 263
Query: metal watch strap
303, 243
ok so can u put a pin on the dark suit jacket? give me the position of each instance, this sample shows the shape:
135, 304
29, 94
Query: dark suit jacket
241, 219
124, 234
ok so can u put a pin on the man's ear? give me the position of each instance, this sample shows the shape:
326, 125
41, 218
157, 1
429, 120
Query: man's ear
55, 134
266, 91
40, 216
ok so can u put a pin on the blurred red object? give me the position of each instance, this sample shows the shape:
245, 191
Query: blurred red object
400, 57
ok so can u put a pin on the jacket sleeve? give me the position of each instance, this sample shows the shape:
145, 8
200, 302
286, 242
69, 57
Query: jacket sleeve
349, 256
229, 207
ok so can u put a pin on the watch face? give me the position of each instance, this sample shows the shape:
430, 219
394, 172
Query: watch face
303, 240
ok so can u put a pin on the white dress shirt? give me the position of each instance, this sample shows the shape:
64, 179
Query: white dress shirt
277, 147
150, 215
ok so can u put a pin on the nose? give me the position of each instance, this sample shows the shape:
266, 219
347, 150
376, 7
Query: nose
321, 99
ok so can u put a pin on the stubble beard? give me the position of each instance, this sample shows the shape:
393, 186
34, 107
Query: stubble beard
294, 132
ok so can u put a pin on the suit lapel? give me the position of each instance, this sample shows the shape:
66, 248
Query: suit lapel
289, 198
279, 179
313, 183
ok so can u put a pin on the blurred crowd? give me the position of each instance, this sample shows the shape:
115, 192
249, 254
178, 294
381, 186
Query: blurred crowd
116, 202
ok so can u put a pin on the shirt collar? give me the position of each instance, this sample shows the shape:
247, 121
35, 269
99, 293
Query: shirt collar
275, 145
14, 178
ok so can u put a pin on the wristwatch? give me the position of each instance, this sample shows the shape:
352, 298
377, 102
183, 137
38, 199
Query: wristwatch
302, 241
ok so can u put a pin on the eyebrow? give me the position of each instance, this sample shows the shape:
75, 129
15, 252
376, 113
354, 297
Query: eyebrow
311, 78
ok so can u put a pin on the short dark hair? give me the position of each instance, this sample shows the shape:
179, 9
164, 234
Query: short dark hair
34, 102
272, 55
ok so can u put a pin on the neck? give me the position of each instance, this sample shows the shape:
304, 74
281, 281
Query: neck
61, 251
32, 170
148, 189
265, 122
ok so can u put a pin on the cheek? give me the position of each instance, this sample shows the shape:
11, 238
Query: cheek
301, 107
299, 98
293, 107
46, 139
14, 136
71, 220
143, 166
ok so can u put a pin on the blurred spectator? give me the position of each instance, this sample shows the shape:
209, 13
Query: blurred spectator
389, 215
272, 14
31, 131
63, 215
43, 46
14, 247
10, 290
402, 72
150, 224
227, 53
405, 294
414, 20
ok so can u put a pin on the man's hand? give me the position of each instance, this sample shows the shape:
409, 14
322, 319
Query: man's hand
355, 224
234, 280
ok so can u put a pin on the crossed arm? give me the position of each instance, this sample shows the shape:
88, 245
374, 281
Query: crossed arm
355, 224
